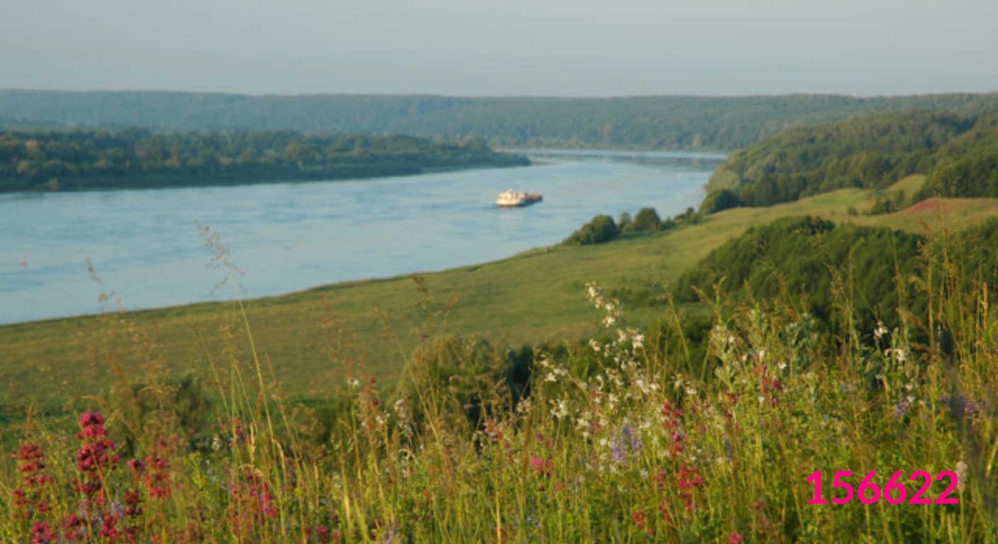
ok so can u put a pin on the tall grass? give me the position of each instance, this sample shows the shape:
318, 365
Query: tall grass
629, 437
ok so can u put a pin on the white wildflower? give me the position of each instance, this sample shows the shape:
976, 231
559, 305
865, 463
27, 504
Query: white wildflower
961, 475
762, 399
560, 410
550, 377
880, 332
782, 366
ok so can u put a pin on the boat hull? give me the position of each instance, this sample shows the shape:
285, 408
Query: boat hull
530, 199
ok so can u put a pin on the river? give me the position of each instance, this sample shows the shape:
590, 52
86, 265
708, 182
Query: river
288, 236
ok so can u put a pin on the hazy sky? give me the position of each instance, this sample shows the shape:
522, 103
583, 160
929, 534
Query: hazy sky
502, 47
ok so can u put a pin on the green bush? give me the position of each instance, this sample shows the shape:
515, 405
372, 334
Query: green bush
720, 200
646, 219
600, 229
808, 258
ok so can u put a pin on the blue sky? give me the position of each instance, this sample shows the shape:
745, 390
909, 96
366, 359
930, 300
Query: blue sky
502, 47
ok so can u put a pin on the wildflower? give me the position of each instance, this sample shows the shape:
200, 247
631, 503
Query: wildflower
541, 467
782, 366
735, 538
41, 533
559, 411
961, 475
880, 331
136, 465
72, 528
639, 519
96, 456
619, 453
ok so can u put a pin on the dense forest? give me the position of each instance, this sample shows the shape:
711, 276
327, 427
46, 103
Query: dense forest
828, 269
956, 151
654, 122
138, 158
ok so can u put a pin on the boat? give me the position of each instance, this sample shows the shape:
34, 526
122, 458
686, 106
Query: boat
514, 199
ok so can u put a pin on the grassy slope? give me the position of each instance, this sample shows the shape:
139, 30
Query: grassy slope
310, 335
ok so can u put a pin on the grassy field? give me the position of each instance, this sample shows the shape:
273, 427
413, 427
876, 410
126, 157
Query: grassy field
370, 327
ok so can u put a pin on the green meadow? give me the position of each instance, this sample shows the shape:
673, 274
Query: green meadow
371, 327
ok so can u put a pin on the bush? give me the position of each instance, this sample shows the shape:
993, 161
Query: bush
600, 229
624, 223
720, 200
646, 219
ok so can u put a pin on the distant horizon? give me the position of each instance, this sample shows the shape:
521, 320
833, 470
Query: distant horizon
493, 96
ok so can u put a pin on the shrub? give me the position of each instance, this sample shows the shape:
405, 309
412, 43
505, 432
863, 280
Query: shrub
646, 219
624, 223
600, 229
720, 200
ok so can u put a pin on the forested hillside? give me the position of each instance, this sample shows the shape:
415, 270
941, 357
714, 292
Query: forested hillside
956, 151
137, 158
830, 269
657, 122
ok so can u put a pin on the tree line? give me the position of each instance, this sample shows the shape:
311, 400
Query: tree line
956, 151
137, 158
652, 122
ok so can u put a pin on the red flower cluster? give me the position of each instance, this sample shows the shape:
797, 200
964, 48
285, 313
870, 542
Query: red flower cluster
41, 533
96, 456
324, 535
542, 467
688, 481
72, 528
31, 464
641, 523
252, 503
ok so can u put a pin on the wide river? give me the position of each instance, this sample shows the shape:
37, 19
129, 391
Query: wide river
283, 237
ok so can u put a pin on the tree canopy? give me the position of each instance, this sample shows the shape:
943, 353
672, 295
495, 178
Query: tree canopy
136, 158
956, 151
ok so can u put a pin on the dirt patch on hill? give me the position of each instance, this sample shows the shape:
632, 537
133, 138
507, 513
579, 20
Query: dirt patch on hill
931, 205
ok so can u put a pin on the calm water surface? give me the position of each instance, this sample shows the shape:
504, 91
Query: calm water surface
285, 237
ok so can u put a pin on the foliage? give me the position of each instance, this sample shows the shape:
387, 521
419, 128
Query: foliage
137, 158
812, 263
645, 220
655, 122
720, 200
814, 260
956, 151
599, 230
